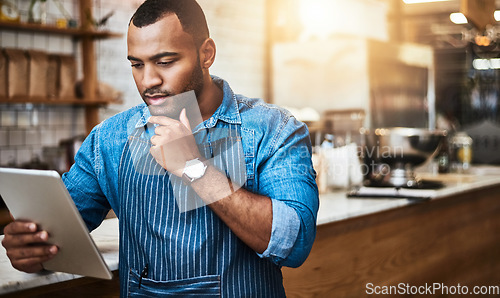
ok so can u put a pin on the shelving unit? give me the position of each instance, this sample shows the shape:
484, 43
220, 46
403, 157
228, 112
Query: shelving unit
86, 35
76, 32
59, 101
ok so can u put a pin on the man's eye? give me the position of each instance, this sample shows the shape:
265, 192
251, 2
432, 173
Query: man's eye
164, 63
136, 65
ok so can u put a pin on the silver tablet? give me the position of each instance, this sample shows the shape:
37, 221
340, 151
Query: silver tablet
41, 196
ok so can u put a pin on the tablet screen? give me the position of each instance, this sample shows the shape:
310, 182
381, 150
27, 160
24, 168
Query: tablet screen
41, 196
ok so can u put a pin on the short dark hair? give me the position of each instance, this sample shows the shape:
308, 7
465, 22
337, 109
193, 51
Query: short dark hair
189, 12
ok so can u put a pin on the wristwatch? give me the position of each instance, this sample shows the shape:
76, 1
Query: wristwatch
193, 170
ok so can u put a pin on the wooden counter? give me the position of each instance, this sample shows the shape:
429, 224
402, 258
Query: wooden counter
451, 240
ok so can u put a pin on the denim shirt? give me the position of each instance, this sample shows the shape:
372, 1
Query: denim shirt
195, 250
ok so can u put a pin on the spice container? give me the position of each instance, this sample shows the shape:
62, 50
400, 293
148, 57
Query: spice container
461, 152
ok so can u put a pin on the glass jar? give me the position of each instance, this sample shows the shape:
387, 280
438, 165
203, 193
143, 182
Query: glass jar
461, 153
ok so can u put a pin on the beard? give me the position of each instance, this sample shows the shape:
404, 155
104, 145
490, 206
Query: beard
172, 107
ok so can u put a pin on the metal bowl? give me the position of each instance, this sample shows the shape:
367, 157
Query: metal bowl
391, 154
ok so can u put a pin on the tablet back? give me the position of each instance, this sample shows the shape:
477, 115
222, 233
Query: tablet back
41, 196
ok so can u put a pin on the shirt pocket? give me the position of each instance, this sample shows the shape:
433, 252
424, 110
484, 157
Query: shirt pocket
203, 286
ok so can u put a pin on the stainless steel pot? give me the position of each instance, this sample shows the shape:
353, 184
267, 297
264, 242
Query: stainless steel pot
391, 154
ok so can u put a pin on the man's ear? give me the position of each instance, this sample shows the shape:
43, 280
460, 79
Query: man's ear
207, 53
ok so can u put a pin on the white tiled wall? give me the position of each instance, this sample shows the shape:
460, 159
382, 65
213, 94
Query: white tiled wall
237, 26
25, 129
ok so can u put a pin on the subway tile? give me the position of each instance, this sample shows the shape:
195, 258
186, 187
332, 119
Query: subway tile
47, 138
67, 117
71, 7
8, 157
62, 134
25, 40
37, 152
8, 39
52, 12
80, 130
43, 118
54, 117
80, 118
4, 137
32, 137
54, 43
66, 46
23, 119
40, 41
16, 137
8, 118
34, 117
23, 6
24, 156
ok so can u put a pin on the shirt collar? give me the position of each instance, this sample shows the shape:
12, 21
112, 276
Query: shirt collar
143, 116
227, 111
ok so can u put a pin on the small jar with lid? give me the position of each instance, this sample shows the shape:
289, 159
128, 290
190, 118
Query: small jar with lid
461, 152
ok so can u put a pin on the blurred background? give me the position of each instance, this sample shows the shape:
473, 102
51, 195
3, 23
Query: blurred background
338, 65
342, 67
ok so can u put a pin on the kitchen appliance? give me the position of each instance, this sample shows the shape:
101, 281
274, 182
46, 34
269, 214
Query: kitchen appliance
390, 155
392, 83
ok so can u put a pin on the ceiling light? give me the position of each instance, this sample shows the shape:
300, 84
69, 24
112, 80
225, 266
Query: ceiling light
458, 18
485, 64
422, 1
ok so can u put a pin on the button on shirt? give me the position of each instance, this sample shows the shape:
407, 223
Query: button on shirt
167, 249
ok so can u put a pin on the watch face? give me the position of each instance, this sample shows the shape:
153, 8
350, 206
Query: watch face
194, 169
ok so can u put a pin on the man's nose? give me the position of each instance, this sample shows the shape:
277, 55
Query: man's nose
151, 77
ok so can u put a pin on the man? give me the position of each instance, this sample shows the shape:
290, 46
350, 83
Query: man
235, 244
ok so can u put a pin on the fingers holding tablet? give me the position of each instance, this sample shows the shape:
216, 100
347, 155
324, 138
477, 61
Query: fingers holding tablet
26, 247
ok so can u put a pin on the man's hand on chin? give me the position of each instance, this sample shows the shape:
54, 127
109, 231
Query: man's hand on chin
173, 143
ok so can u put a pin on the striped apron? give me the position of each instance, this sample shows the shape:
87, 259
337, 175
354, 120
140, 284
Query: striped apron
171, 243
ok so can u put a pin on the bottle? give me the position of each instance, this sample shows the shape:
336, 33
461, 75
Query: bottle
461, 152
443, 158
328, 142
38, 12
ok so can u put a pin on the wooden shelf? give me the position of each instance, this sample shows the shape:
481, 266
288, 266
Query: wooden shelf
86, 36
75, 32
62, 101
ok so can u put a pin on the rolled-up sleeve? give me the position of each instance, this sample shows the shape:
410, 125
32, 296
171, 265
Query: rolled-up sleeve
288, 178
